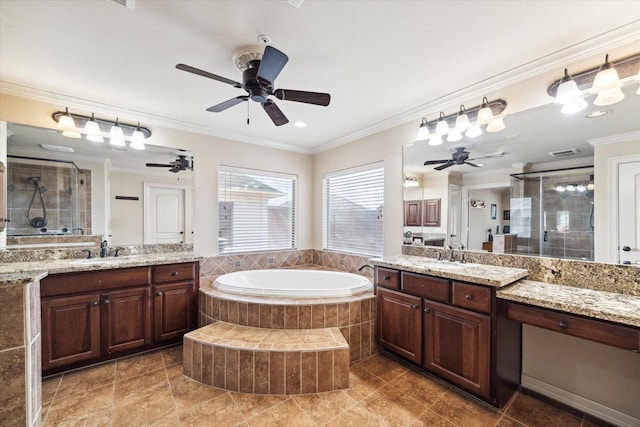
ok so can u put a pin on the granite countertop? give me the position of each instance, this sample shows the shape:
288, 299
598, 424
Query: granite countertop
16, 272
614, 307
481, 274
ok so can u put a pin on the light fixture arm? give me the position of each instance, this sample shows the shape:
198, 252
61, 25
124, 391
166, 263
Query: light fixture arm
105, 125
626, 67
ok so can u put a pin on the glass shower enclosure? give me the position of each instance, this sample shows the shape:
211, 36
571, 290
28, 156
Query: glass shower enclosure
552, 213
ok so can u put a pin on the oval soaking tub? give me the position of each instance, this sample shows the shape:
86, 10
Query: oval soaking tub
293, 283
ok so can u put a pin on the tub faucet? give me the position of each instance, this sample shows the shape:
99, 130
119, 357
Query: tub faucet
365, 266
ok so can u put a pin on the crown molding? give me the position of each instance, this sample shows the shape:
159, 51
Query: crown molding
614, 139
561, 164
559, 59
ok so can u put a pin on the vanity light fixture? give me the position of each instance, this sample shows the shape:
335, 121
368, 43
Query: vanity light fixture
604, 80
411, 181
95, 129
464, 121
569, 95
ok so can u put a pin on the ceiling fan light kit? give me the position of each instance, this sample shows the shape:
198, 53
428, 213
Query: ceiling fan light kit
603, 81
74, 125
259, 72
465, 121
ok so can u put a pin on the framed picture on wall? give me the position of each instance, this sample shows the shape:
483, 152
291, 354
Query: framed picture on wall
506, 215
494, 211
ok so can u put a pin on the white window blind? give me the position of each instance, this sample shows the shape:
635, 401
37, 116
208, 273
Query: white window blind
352, 208
256, 210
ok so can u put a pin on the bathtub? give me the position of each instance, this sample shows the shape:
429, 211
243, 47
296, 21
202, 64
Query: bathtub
293, 283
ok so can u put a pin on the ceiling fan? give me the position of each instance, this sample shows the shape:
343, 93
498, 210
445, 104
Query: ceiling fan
259, 72
182, 163
461, 157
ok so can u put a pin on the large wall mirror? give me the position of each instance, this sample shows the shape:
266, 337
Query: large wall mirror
533, 195
59, 186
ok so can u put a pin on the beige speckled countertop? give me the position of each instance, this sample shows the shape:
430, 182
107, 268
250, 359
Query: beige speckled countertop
481, 274
16, 272
614, 307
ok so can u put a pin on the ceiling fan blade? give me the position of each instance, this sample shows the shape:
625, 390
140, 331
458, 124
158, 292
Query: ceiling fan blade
208, 75
176, 169
158, 165
227, 104
436, 162
471, 164
490, 156
273, 61
315, 98
446, 165
274, 113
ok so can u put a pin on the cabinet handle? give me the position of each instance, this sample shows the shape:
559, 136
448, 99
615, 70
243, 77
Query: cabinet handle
386, 277
175, 273
106, 301
563, 324
469, 296
94, 303
427, 310
158, 294
415, 306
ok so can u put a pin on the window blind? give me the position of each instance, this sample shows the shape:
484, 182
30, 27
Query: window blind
256, 210
352, 203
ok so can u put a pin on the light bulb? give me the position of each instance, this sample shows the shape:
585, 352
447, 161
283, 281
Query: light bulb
571, 187
137, 139
71, 134
66, 123
117, 142
116, 131
92, 130
496, 125
573, 107
435, 139
559, 188
568, 91
581, 188
454, 135
608, 97
462, 121
423, 131
607, 85
485, 115
473, 131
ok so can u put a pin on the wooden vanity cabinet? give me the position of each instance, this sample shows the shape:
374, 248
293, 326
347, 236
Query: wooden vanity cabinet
450, 328
92, 316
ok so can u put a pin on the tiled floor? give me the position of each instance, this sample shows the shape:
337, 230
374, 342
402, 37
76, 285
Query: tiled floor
150, 389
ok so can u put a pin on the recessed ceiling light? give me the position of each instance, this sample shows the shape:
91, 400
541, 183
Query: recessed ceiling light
300, 124
597, 113
57, 148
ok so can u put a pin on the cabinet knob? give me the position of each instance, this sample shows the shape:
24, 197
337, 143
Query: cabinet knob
94, 303
106, 301
427, 310
469, 296
415, 306
158, 294
386, 277
174, 274
563, 324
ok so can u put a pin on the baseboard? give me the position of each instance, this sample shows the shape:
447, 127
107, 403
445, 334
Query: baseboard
578, 402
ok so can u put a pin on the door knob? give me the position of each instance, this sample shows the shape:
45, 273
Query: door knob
94, 303
158, 294
106, 301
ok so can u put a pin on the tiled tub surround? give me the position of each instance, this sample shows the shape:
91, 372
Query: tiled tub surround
20, 350
267, 361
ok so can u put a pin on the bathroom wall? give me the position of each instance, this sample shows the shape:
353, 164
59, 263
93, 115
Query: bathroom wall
480, 218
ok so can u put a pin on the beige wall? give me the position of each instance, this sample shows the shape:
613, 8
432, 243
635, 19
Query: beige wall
209, 153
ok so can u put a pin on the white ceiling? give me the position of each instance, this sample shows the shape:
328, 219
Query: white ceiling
380, 60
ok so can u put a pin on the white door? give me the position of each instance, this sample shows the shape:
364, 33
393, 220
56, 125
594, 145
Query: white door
164, 215
629, 212
455, 215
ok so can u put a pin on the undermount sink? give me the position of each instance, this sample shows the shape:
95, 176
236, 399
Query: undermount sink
444, 266
92, 261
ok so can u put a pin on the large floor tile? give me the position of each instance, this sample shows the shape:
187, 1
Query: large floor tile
221, 411
431, 419
138, 365
285, 414
422, 388
253, 404
50, 387
356, 416
158, 410
86, 379
192, 393
323, 407
362, 383
536, 413
465, 411
144, 386
172, 355
393, 406
383, 367
80, 406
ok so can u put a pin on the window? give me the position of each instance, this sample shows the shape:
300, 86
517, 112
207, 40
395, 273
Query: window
256, 210
352, 208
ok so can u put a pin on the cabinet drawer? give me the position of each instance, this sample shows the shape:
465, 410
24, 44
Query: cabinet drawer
432, 288
387, 278
173, 272
471, 296
88, 281
624, 337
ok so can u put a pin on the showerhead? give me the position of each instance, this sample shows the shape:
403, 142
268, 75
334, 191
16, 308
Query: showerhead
34, 179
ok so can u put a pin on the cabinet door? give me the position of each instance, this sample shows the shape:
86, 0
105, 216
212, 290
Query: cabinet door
431, 213
400, 324
413, 213
70, 330
126, 319
457, 346
172, 310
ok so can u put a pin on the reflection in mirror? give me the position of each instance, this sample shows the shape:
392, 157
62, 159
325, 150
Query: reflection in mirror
66, 191
560, 223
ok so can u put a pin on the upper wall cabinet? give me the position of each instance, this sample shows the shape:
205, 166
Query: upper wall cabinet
431, 213
413, 213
